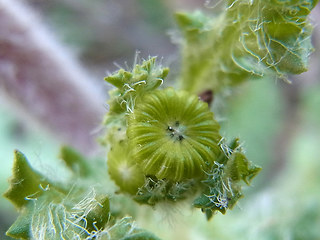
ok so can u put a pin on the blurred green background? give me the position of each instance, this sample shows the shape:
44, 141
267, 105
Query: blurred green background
278, 123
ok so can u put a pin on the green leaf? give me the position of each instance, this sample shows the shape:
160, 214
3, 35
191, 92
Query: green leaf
50, 210
55, 215
238, 168
98, 216
71, 212
20, 229
222, 188
25, 183
76, 162
236, 165
249, 40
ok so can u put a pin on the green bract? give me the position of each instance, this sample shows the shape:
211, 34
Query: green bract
222, 187
123, 169
173, 135
131, 85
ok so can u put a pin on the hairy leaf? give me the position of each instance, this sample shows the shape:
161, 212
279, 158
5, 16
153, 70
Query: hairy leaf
51, 210
131, 85
222, 188
249, 40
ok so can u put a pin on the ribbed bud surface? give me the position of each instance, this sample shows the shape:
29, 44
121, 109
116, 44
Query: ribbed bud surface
173, 135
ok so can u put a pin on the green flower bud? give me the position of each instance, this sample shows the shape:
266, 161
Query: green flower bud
126, 174
173, 135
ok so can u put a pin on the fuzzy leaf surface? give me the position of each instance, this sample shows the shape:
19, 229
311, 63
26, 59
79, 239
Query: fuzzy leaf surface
132, 85
223, 186
249, 40
52, 210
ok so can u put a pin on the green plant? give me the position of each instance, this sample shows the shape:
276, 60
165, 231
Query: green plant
163, 143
